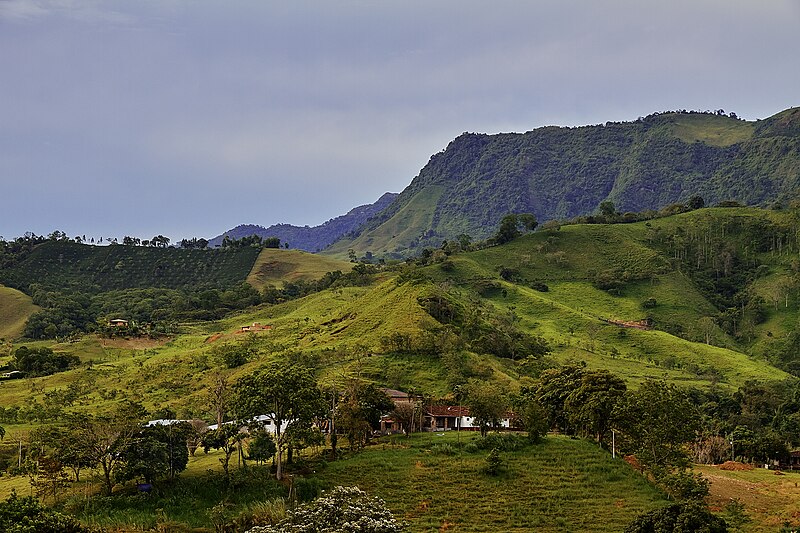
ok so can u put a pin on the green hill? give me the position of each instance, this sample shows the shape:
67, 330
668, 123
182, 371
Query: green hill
559, 173
15, 308
276, 266
61, 265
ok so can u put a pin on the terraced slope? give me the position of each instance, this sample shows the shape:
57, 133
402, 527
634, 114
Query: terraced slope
68, 265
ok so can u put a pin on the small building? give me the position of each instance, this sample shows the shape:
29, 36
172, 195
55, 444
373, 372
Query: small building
450, 417
258, 422
14, 374
118, 323
255, 326
794, 461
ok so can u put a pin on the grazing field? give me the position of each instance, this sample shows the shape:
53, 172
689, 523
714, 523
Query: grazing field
560, 484
769, 501
15, 308
275, 266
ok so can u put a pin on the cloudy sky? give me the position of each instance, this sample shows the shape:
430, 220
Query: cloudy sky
188, 117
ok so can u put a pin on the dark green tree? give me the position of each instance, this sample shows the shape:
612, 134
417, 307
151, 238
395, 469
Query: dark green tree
286, 394
590, 406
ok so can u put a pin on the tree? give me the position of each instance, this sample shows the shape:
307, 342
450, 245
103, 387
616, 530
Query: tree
552, 389
510, 226
657, 420
608, 211
261, 446
154, 452
591, 404
360, 411
105, 436
341, 509
696, 202
530, 414
406, 414
227, 438
486, 405
285, 394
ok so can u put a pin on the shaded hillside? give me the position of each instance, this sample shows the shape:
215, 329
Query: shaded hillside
15, 308
312, 239
559, 173
64, 265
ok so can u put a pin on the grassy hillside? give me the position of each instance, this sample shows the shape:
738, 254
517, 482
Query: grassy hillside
15, 308
67, 265
559, 173
276, 266
559, 485
344, 329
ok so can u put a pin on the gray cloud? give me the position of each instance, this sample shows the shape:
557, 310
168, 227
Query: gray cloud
186, 118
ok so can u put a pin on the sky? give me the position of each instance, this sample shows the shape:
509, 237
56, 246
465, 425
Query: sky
188, 117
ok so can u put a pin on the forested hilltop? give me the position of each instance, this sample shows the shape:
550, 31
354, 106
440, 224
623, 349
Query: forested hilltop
560, 172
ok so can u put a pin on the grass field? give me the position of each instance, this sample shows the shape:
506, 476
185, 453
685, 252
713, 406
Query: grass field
15, 308
276, 267
770, 501
558, 485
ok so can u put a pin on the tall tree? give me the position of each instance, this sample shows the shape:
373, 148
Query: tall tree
657, 420
285, 394
590, 406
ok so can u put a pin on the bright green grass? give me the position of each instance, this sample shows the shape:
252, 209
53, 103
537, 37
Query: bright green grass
276, 267
711, 129
406, 224
15, 308
558, 485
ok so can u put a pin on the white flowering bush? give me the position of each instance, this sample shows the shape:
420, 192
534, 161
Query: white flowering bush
341, 510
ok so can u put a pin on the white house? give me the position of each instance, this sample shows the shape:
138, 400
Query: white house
450, 417
263, 421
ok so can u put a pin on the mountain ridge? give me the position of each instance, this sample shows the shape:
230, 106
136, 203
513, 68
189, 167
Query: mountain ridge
563, 172
311, 238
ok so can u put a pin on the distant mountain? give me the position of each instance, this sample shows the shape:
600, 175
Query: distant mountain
316, 238
560, 172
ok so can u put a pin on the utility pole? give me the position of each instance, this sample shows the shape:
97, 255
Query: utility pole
613, 444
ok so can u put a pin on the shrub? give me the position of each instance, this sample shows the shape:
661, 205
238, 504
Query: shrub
307, 488
539, 286
341, 509
471, 447
649, 303
493, 462
26, 515
444, 449
679, 517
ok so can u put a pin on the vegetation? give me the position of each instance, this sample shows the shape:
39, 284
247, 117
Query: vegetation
653, 162
671, 382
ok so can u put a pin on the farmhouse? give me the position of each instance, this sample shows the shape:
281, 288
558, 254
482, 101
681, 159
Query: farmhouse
449, 417
14, 374
399, 398
118, 323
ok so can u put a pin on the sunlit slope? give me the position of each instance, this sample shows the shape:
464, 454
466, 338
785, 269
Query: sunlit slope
278, 266
15, 308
